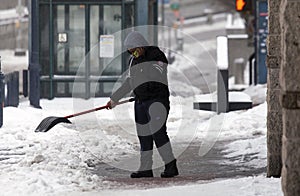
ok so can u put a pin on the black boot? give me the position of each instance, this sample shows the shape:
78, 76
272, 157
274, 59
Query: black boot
145, 169
170, 170
142, 174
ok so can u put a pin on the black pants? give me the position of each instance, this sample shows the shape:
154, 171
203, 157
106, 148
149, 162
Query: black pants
151, 117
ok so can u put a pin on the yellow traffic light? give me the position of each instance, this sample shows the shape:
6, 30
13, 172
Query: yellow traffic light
239, 5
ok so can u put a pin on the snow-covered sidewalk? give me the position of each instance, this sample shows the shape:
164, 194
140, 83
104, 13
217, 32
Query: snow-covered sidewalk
56, 162
248, 186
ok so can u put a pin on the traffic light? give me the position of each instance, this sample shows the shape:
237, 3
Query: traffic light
243, 5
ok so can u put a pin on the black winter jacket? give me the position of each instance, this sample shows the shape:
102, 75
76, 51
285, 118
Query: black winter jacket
147, 77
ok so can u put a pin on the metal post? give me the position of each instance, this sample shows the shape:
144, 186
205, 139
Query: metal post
25, 83
222, 91
34, 66
251, 58
12, 83
163, 22
222, 76
87, 60
15, 88
1, 95
162, 13
255, 72
208, 13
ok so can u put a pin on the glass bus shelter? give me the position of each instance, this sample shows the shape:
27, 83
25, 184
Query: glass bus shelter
69, 33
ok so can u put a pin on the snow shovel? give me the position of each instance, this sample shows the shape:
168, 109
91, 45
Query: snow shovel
51, 121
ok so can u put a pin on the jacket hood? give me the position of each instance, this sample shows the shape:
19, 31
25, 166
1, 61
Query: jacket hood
153, 53
135, 39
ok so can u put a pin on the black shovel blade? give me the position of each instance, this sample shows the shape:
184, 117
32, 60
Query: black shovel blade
50, 122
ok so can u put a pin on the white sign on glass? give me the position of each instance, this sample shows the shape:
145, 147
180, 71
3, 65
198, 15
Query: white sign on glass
107, 46
62, 37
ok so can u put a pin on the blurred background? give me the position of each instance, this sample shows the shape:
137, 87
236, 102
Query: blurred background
45, 41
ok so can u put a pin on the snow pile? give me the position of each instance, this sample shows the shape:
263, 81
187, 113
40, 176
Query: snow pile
12, 13
245, 124
239, 124
257, 93
47, 163
8, 14
10, 63
250, 128
246, 129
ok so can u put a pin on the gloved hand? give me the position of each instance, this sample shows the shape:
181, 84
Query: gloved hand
111, 104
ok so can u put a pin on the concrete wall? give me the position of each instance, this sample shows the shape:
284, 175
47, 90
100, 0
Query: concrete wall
274, 118
284, 93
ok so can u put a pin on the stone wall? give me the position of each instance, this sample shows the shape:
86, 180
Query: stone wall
290, 95
274, 117
283, 62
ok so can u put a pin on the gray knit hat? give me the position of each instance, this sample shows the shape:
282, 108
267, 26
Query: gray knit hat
135, 39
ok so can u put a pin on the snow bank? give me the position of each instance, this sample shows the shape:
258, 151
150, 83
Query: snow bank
232, 126
246, 128
257, 93
47, 163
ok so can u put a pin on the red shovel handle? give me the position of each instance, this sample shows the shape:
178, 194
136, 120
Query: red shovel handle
99, 108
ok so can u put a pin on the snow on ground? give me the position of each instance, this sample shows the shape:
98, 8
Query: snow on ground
8, 14
257, 93
10, 63
247, 129
12, 13
48, 163
55, 162
248, 186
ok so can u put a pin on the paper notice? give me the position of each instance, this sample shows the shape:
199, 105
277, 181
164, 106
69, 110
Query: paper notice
107, 46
